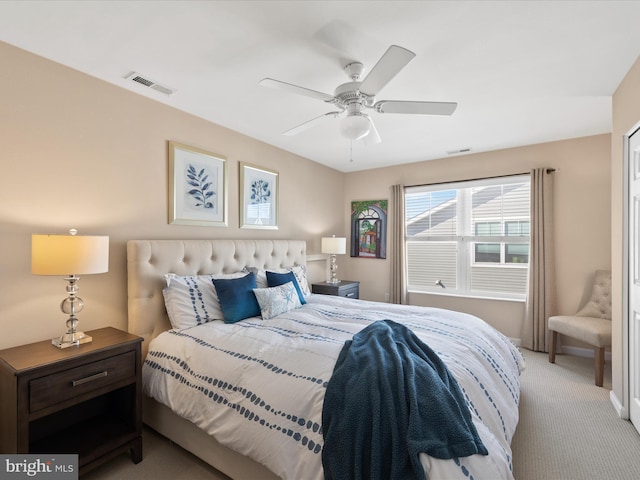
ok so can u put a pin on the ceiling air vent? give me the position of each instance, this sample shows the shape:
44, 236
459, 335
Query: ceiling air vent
459, 151
136, 77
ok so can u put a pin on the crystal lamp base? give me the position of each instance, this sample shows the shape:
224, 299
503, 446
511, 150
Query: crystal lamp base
71, 340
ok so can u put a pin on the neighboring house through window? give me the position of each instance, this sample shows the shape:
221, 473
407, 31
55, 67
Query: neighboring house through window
472, 238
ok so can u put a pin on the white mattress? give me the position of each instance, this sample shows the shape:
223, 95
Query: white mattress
258, 386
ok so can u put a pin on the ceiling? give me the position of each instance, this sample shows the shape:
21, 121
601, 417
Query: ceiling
522, 72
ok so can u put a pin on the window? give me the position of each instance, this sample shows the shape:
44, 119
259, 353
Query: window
472, 237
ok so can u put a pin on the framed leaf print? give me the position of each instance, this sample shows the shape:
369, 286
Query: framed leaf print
197, 187
258, 197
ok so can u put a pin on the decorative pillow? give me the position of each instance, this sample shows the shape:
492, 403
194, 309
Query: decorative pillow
237, 298
191, 300
276, 279
276, 300
300, 271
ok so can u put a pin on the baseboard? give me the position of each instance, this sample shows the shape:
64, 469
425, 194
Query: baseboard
621, 410
577, 351
582, 352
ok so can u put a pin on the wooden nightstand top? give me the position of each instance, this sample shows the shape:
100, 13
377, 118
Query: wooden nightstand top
35, 355
342, 283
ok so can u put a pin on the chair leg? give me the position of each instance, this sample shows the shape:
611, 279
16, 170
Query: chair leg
599, 364
552, 346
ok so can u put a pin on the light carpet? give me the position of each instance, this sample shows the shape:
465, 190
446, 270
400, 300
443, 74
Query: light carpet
568, 427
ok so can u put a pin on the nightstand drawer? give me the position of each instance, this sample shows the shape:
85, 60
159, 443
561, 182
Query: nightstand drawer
346, 288
64, 385
350, 291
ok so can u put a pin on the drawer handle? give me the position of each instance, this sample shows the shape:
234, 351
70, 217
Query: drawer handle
88, 379
350, 294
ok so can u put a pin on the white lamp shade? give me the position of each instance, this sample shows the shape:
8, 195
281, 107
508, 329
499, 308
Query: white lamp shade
355, 126
69, 254
334, 245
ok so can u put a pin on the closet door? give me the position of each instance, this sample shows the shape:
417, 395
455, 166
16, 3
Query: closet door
633, 222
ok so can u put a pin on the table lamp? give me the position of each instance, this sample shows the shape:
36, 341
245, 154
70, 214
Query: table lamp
334, 246
70, 255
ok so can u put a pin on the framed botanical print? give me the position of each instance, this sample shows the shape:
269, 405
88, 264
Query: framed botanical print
197, 187
258, 197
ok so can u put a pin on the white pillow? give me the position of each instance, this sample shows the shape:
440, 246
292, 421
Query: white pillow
261, 276
192, 300
300, 272
276, 300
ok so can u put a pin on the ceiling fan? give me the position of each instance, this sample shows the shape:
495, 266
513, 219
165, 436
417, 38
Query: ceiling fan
356, 96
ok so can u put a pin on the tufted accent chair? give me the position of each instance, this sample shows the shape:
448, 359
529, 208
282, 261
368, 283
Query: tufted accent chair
592, 324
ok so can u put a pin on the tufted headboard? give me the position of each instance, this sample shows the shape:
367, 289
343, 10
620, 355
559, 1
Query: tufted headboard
149, 260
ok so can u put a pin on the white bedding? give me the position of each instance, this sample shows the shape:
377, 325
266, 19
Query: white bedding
258, 385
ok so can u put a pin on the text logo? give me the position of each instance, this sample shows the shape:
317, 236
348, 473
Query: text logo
30, 466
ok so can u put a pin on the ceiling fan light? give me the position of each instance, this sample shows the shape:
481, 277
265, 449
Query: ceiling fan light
355, 127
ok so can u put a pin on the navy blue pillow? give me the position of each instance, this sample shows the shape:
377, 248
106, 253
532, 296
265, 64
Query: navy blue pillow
276, 279
237, 299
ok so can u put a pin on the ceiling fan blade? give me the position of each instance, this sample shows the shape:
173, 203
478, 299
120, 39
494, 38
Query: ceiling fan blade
389, 65
270, 82
373, 137
422, 108
310, 123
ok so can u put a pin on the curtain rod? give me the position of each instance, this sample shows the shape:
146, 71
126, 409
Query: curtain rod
548, 170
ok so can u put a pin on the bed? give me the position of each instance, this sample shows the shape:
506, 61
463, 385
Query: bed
262, 429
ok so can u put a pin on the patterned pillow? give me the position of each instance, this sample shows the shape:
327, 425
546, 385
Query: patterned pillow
192, 300
276, 300
300, 271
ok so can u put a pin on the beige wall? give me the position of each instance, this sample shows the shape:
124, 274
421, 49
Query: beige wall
79, 152
582, 218
626, 114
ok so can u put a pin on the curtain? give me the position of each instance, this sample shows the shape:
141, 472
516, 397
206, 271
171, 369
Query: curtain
398, 284
541, 294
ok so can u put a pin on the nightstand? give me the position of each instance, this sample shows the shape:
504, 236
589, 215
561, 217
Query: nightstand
83, 400
346, 288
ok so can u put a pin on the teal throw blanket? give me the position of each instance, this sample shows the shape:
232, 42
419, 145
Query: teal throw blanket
391, 397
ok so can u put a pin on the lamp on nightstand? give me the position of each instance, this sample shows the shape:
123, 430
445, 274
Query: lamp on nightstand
70, 255
334, 246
